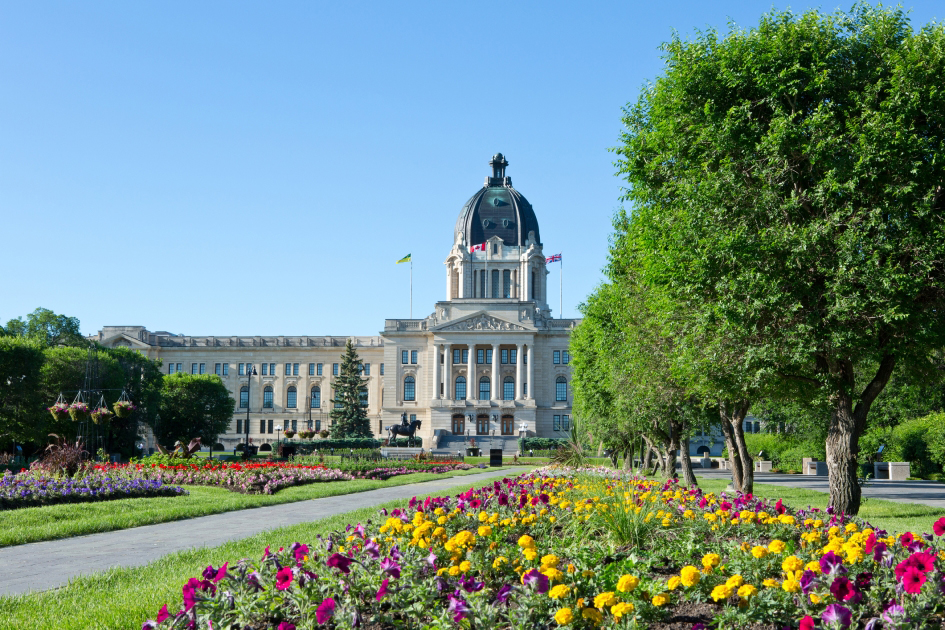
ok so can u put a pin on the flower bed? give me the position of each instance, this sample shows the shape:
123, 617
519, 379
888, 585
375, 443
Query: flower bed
18, 491
386, 472
578, 549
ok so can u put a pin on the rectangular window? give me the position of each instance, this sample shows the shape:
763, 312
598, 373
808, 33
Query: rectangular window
334, 369
489, 356
495, 283
413, 357
505, 356
267, 398
524, 389
404, 357
508, 390
507, 283
525, 357
367, 369
270, 426
565, 357
556, 423
180, 367
272, 369
218, 369
262, 426
318, 369
363, 397
557, 357
318, 425
193, 368
382, 369
288, 369
240, 369
413, 417
480, 356
203, 368
265, 368
466, 355
565, 423
244, 397
239, 425
482, 284
295, 369
290, 398
513, 356
316, 400
226, 369
295, 425
457, 356
170, 368
311, 369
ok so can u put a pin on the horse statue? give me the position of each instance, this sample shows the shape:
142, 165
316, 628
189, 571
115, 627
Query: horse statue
399, 429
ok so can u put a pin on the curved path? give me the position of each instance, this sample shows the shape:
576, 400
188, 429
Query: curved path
50, 564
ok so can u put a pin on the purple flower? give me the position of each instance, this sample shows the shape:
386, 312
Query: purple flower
536, 580
431, 559
503, 499
458, 608
300, 550
470, 585
895, 615
503, 594
842, 588
382, 591
285, 625
339, 562
372, 549
390, 567
879, 551
831, 563
325, 610
837, 614
807, 580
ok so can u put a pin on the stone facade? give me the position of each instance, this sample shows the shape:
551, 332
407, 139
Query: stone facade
489, 361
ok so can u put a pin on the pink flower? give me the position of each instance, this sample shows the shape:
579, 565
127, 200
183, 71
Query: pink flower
285, 625
807, 623
382, 591
339, 562
325, 610
284, 578
913, 580
939, 526
163, 614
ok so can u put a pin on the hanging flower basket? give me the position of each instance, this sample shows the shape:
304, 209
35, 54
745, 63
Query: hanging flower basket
101, 415
79, 411
123, 408
289, 433
59, 411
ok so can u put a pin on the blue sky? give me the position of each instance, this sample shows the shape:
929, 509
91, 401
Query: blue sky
257, 168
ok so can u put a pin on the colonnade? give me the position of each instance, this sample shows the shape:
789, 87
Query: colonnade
443, 378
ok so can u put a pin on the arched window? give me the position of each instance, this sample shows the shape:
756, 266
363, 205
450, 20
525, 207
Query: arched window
460, 388
703, 451
244, 397
267, 397
561, 389
290, 398
410, 389
484, 388
508, 388
316, 400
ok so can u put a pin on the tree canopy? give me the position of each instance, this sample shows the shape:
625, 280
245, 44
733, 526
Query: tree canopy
48, 328
786, 184
193, 405
350, 420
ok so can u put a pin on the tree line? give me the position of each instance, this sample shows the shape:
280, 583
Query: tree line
782, 250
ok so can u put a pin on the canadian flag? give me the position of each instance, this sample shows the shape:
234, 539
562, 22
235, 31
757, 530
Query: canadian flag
481, 247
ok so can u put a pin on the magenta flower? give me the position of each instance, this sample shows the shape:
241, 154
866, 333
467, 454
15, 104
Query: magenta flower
503, 594
807, 623
163, 614
382, 591
504, 500
390, 567
340, 562
458, 608
842, 588
372, 549
938, 527
301, 550
830, 563
837, 614
912, 580
470, 585
285, 625
284, 578
325, 610
536, 580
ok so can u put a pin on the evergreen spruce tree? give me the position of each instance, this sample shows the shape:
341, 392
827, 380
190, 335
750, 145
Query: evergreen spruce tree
350, 420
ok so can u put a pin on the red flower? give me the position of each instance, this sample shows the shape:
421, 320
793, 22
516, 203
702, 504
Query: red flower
807, 623
283, 578
913, 580
906, 539
939, 526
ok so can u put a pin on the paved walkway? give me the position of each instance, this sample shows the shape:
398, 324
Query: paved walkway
51, 564
922, 492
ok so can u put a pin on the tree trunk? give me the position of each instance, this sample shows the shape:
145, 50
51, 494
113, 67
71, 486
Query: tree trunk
688, 475
734, 458
733, 416
628, 457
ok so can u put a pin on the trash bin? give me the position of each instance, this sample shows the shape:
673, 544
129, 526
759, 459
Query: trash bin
495, 457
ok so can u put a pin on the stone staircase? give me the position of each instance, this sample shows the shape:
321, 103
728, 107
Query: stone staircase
453, 443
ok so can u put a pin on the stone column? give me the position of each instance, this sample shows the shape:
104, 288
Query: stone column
519, 359
448, 364
436, 370
472, 388
495, 372
531, 374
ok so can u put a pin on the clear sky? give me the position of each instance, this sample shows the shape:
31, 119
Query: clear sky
236, 168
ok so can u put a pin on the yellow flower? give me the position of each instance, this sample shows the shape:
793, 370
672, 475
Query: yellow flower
550, 560
690, 576
771, 583
759, 551
564, 616
711, 560
553, 574
814, 598
722, 591
673, 582
621, 609
627, 583
593, 614
735, 581
559, 591
745, 546
498, 562
587, 573
526, 542
791, 586
484, 531
747, 591
465, 566
813, 565
661, 600
571, 568
792, 563
454, 571
786, 519
441, 571
530, 554
605, 599
777, 546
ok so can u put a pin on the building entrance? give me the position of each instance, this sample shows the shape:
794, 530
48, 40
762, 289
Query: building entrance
482, 425
508, 425
459, 424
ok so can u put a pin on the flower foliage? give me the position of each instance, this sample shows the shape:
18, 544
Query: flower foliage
533, 552
18, 491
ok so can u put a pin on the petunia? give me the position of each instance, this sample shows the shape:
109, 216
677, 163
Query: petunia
390, 567
536, 580
895, 615
470, 585
841, 588
458, 608
939, 526
325, 610
301, 550
372, 549
807, 623
163, 614
912, 580
503, 594
831, 563
837, 614
284, 578
285, 625
808, 578
339, 562
382, 591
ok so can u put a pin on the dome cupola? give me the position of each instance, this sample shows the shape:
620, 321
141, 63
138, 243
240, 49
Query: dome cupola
496, 209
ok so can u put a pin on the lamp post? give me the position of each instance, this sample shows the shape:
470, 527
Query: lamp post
278, 442
250, 373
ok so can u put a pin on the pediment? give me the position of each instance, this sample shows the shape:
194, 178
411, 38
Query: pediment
125, 340
479, 321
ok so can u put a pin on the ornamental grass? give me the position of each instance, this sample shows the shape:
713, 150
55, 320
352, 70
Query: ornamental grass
581, 549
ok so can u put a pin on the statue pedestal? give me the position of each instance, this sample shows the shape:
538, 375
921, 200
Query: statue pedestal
404, 451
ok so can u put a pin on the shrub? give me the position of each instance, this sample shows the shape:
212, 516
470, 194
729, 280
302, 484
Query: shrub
61, 457
910, 444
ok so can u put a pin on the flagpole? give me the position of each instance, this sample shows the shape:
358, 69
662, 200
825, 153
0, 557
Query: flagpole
561, 287
411, 287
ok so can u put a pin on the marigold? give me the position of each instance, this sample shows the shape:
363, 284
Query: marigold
777, 546
792, 563
791, 586
722, 591
627, 583
711, 560
673, 582
550, 560
526, 542
747, 591
564, 616
454, 571
498, 562
587, 573
529, 553
605, 599
559, 591
661, 600
593, 614
465, 566
815, 598
759, 552
484, 531
690, 576
771, 583
553, 574
621, 609
735, 581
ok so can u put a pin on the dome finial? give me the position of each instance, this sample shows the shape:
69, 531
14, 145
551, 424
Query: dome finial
498, 164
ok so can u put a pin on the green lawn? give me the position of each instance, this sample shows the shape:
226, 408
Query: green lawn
888, 515
124, 598
62, 521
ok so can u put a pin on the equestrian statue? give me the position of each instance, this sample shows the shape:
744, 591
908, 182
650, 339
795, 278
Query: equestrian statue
405, 428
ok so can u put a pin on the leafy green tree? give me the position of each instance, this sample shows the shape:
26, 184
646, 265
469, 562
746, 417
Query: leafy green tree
193, 405
350, 420
789, 182
48, 327
21, 362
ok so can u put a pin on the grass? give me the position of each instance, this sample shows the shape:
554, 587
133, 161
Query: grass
892, 516
62, 521
124, 598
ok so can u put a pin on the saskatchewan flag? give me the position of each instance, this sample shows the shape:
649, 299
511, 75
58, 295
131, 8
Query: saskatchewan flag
404, 259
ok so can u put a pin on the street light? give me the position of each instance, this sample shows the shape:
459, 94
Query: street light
278, 442
250, 372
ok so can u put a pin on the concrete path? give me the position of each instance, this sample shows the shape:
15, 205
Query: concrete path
51, 564
923, 492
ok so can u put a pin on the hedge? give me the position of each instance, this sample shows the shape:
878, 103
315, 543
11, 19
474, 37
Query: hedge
345, 444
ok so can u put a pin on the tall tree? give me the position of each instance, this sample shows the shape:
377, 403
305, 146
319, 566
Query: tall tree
49, 328
350, 419
193, 405
21, 362
790, 182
